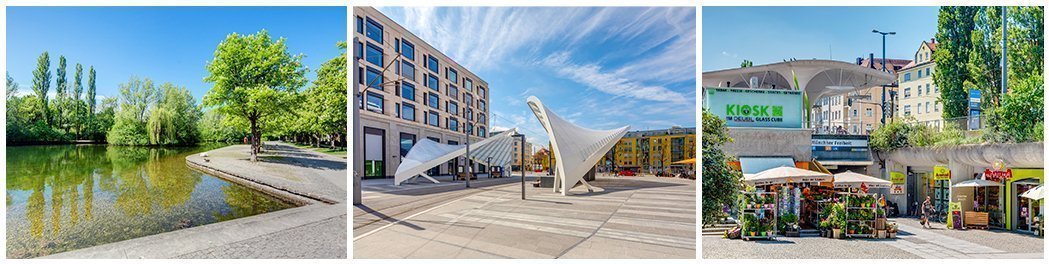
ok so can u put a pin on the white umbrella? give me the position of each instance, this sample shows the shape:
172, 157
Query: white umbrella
977, 183
786, 174
851, 179
1036, 193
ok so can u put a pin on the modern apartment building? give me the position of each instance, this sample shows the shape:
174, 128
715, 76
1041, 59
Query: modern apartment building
859, 112
411, 92
652, 151
919, 95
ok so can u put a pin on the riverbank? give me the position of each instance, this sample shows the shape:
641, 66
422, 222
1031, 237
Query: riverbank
317, 229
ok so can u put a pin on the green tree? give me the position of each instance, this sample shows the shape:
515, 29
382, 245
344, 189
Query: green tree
746, 63
129, 126
41, 85
325, 106
91, 91
954, 29
1021, 106
59, 103
985, 56
78, 105
12, 86
255, 79
721, 183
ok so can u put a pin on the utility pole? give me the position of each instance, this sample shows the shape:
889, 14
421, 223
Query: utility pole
883, 34
467, 131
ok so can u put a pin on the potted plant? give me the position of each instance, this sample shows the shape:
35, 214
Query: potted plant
825, 228
891, 230
838, 219
790, 222
879, 222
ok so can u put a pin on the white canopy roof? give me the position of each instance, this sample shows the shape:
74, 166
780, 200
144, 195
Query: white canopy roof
977, 183
817, 78
1036, 193
785, 174
577, 149
851, 179
427, 154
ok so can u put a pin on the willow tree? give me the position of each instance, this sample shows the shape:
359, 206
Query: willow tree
254, 78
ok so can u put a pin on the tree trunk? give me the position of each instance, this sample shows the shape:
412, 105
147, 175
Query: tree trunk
254, 139
333, 141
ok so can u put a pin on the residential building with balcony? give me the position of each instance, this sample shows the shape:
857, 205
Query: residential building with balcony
651, 151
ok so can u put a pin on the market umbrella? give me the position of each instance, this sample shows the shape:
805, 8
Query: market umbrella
851, 179
977, 183
1036, 193
688, 161
785, 174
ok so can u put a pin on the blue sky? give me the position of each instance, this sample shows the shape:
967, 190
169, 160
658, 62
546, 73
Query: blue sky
602, 68
166, 44
771, 34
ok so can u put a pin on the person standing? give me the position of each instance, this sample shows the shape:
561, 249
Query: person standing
926, 211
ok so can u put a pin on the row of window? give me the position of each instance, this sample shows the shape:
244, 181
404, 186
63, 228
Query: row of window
920, 106
929, 90
927, 70
376, 103
374, 79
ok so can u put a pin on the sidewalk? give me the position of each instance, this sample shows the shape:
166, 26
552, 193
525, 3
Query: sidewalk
317, 229
623, 218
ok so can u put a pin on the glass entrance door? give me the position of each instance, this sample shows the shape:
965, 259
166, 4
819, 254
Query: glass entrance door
1024, 211
374, 153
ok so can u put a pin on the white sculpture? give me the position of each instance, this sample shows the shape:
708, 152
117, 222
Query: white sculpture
576, 149
427, 154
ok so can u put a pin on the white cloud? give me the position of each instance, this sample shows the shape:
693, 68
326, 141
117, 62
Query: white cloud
594, 76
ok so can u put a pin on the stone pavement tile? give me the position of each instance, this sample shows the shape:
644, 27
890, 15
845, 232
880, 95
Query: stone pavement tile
665, 232
601, 248
390, 245
467, 253
436, 250
534, 242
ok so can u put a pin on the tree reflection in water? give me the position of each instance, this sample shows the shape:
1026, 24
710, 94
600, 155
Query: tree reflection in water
62, 198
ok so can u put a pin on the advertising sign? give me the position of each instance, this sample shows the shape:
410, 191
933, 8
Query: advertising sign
897, 178
954, 219
755, 107
941, 173
897, 189
998, 172
974, 109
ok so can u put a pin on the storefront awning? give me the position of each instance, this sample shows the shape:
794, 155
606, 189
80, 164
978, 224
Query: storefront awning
754, 165
851, 179
977, 183
688, 161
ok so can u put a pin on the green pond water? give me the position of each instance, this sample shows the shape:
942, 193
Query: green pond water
61, 198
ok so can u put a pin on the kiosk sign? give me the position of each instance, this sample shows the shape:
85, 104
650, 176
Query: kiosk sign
755, 107
941, 173
999, 174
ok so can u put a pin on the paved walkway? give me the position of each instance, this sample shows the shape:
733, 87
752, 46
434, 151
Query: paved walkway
912, 242
623, 218
315, 230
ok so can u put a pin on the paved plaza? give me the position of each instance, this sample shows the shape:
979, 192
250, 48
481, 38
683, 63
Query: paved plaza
912, 242
316, 229
625, 217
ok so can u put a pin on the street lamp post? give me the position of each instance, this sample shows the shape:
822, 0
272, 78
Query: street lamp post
522, 137
883, 34
358, 128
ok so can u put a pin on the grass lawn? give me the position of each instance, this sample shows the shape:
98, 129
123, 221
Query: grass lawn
336, 152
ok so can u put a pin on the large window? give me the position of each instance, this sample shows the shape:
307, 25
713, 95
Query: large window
453, 75
374, 31
919, 74
407, 112
407, 49
407, 70
407, 141
453, 124
927, 88
469, 99
480, 92
453, 108
906, 110
480, 105
374, 78
434, 101
432, 64
408, 91
907, 92
431, 81
907, 77
374, 55
453, 92
433, 119
470, 114
468, 84
375, 103
481, 131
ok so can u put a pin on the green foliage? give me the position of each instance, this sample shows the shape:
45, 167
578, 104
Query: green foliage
154, 116
954, 29
1022, 105
12, 86
216, 127
721, 183
91, 90
746, 63
322, 111
255, 79
41, 85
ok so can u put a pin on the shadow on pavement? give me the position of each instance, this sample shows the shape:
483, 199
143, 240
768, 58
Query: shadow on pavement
387, 218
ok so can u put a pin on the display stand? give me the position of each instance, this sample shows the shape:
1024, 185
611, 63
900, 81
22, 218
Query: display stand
857, 207
760, 215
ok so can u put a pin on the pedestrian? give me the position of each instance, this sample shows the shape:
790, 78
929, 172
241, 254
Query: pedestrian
926, 211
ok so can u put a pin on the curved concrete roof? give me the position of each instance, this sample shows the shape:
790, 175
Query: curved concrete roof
427, 154
817, 78
1019, 155
576, 149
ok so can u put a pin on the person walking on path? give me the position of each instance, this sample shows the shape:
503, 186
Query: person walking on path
926, 211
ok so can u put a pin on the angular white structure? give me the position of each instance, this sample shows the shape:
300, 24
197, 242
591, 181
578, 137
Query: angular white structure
576, 149
427, 154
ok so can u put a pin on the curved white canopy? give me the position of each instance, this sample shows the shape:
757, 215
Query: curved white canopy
817, 78
577, 149
1036, 193
977, 183
427, 154
851, 179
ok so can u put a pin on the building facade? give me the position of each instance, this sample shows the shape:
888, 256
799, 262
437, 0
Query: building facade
517, 157
411, 91
859, 112
651, 151
918, 94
